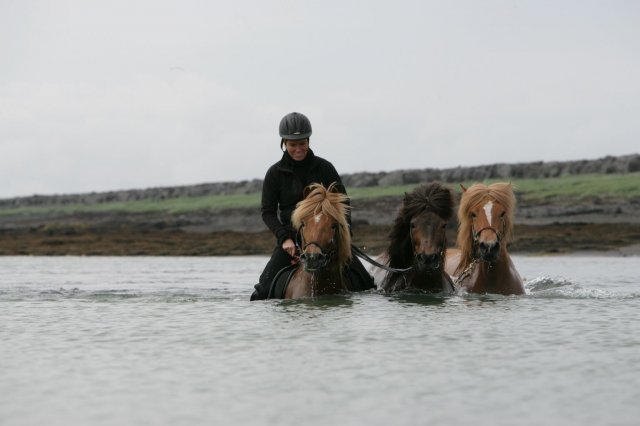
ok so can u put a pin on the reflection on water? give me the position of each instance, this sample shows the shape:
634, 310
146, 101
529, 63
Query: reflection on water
418, 299
168, 341
318, 303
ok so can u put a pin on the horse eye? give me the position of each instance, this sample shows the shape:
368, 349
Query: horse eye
502, 215
334, 225
473, 215
413, 225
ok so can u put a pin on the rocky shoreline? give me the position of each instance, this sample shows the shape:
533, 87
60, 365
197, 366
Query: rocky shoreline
126, 240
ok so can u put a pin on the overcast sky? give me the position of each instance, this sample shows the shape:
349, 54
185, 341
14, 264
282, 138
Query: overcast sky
119, 94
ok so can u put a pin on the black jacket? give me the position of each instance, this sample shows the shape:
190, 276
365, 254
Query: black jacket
283, 187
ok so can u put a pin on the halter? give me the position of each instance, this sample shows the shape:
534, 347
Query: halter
474, 237
475, 260
326, 256
443, 249
476, 234
362, 255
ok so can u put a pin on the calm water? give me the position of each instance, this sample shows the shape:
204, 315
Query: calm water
174, 341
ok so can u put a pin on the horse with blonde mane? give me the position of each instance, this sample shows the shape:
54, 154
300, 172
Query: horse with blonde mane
480, 263
325, 246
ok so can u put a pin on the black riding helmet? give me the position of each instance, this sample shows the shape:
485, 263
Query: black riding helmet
294, 126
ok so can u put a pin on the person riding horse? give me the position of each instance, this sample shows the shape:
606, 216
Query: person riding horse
283, 188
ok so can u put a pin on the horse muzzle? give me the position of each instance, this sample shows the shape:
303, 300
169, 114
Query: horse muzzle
429, 262
488, 252
313, 262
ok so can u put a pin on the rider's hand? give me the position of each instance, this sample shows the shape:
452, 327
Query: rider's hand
290, 247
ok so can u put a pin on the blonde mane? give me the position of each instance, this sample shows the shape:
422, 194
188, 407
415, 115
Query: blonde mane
331, 203
476, 195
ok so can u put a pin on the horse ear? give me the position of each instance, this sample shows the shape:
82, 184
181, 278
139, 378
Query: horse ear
306, 191
333, 188
463, 188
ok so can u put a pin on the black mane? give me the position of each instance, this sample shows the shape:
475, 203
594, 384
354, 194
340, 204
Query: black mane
432, 197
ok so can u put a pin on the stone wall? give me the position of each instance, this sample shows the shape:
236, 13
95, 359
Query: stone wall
534, 170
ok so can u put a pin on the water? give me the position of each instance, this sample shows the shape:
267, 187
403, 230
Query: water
174, 341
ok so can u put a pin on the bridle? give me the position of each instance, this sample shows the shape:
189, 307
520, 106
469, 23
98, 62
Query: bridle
325, 255
441, 253
362, 255
474, 258
475, 235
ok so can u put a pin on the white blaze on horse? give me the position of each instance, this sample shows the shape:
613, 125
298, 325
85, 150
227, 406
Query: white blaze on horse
480, 263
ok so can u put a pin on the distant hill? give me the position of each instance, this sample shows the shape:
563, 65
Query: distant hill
533, 170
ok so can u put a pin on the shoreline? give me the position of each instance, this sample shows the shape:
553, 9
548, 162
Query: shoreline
567, 239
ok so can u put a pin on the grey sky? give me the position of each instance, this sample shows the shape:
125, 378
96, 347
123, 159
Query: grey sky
101, 95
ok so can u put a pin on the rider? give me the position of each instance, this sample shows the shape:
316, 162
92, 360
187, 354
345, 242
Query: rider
282, 189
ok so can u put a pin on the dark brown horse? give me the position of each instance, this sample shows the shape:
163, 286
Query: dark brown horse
481, 263
418, 242
321, 219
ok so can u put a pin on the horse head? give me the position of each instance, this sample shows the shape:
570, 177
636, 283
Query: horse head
427, 232
418, 236
319, 241
322, 228
486, 220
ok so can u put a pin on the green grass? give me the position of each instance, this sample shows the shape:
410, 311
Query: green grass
562, 190
174, 206
576, 188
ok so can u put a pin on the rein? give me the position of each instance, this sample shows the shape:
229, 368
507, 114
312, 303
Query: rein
362, 255
467, 272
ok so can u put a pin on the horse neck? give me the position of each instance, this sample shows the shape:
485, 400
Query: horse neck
328, 280
496, 277
493, 269
428, 280
434, 280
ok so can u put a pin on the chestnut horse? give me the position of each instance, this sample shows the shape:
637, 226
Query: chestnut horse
481, 263
418, 242
325, 246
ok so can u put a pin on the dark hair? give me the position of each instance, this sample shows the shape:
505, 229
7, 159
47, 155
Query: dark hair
432, 197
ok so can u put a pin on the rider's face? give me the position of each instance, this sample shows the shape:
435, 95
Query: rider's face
297, 149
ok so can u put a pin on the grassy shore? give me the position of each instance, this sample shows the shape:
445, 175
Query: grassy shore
566, 190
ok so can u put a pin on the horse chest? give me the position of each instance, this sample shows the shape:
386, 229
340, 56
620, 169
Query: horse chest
495, 278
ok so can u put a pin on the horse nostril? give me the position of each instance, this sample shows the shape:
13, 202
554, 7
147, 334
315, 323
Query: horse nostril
495, 248
429, 260
489, 250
